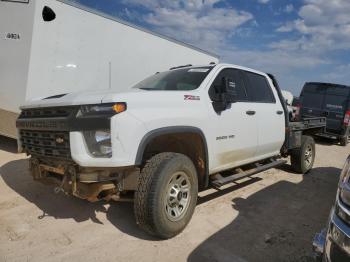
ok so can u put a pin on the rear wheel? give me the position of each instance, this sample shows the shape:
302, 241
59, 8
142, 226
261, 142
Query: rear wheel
344, 140
166, 195
303, 158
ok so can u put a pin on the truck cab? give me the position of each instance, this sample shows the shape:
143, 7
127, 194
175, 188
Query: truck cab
171, 135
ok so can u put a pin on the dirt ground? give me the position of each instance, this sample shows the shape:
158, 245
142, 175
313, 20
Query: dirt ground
271, 217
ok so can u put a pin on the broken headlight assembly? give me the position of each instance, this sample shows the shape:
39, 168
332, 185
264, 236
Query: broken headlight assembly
99, 143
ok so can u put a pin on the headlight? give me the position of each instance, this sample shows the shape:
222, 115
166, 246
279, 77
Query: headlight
344, 184
99, 143
102, 109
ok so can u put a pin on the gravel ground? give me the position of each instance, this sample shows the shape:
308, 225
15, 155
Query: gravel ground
271, 217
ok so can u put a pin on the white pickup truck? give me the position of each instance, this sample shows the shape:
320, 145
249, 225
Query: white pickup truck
171, 135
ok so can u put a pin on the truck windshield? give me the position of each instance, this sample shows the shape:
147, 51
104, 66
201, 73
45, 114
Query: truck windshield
184, 79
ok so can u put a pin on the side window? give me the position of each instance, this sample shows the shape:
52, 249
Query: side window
259, 88
236, 84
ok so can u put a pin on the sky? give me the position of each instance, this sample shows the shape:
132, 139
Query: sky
298, 41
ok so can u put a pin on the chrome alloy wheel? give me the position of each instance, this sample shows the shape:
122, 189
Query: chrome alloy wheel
178, 196
308, 157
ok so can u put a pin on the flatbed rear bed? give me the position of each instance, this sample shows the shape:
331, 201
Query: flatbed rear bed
308, 123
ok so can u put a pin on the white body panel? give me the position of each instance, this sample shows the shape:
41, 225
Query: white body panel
271, 128
255, 137
241, 130
79, 50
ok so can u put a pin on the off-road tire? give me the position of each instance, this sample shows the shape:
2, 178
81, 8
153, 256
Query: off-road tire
344, 141
151, 192
298, 155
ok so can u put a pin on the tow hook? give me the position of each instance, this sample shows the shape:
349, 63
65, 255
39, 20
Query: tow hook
60, 189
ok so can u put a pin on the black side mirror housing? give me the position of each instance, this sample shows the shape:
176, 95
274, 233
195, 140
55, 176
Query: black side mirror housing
226, 94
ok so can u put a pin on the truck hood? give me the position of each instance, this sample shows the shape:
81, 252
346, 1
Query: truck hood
71, 99
135, 97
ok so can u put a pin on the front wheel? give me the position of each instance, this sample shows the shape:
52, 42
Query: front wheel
166, 195
303, 158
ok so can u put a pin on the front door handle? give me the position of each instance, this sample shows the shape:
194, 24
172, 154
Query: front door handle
250, 113
279, 112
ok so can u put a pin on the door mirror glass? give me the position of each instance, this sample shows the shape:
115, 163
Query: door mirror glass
230, 92
226, 94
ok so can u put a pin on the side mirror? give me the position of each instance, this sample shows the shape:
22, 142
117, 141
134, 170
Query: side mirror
226, 94
230, 92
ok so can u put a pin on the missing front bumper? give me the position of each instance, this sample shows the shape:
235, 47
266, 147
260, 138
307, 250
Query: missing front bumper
89, 184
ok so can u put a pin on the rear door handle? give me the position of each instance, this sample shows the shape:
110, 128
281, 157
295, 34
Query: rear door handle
279, 112
250, 113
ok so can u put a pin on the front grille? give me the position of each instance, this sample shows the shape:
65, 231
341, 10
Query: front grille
46, 144
47, 112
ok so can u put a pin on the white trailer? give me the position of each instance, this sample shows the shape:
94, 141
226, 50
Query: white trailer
51, 47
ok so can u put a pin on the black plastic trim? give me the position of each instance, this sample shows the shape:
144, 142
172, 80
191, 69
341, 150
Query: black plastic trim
68, 123
173, 130
285, 109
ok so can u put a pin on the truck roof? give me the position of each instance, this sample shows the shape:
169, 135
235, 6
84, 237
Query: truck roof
99, 13
243, 68
223, 65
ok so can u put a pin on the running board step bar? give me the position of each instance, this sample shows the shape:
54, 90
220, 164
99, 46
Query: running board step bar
219, 181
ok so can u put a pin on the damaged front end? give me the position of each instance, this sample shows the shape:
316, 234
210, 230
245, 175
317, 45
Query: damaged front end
45, 135
91, 184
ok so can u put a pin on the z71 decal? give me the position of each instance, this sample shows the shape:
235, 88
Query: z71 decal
189, 97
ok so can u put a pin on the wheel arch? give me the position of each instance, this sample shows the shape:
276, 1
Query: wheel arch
178, 134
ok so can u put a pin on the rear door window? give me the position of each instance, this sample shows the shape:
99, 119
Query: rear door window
259, 89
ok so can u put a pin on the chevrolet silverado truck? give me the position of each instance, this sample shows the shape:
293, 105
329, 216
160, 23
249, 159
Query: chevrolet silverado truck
173, 134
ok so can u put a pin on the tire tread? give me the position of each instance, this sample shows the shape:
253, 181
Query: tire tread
147, 192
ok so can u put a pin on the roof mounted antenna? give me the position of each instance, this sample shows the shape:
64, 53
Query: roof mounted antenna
212, 63
177, 67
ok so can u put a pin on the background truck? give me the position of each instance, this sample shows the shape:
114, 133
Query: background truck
172, 134
331, 101
50, 47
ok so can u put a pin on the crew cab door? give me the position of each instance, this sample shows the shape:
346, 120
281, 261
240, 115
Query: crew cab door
233, 131
270, 116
